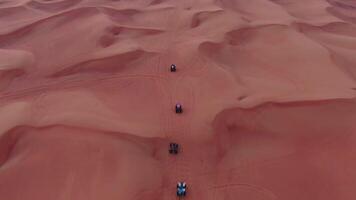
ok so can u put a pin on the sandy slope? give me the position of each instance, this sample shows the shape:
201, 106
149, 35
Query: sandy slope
87, 99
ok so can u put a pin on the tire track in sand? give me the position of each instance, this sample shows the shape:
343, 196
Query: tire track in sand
171, 162
178, 125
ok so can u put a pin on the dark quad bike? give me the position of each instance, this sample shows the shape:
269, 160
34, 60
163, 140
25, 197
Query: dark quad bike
173, 148
173, 68
179, 108
181, 189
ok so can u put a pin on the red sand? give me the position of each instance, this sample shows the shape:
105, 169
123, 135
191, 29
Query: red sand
87, 99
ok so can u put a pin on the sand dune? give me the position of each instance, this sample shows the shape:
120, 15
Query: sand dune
87, 99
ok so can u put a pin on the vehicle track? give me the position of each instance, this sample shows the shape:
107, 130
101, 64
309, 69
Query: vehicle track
181, 126
255, 188
167, 127
69, 85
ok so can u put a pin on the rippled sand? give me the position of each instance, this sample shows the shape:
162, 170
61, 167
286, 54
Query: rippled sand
267, 87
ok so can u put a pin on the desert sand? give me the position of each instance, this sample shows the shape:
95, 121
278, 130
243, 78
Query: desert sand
87, 99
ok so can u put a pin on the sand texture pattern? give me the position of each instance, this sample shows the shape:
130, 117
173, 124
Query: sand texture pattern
267, 87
